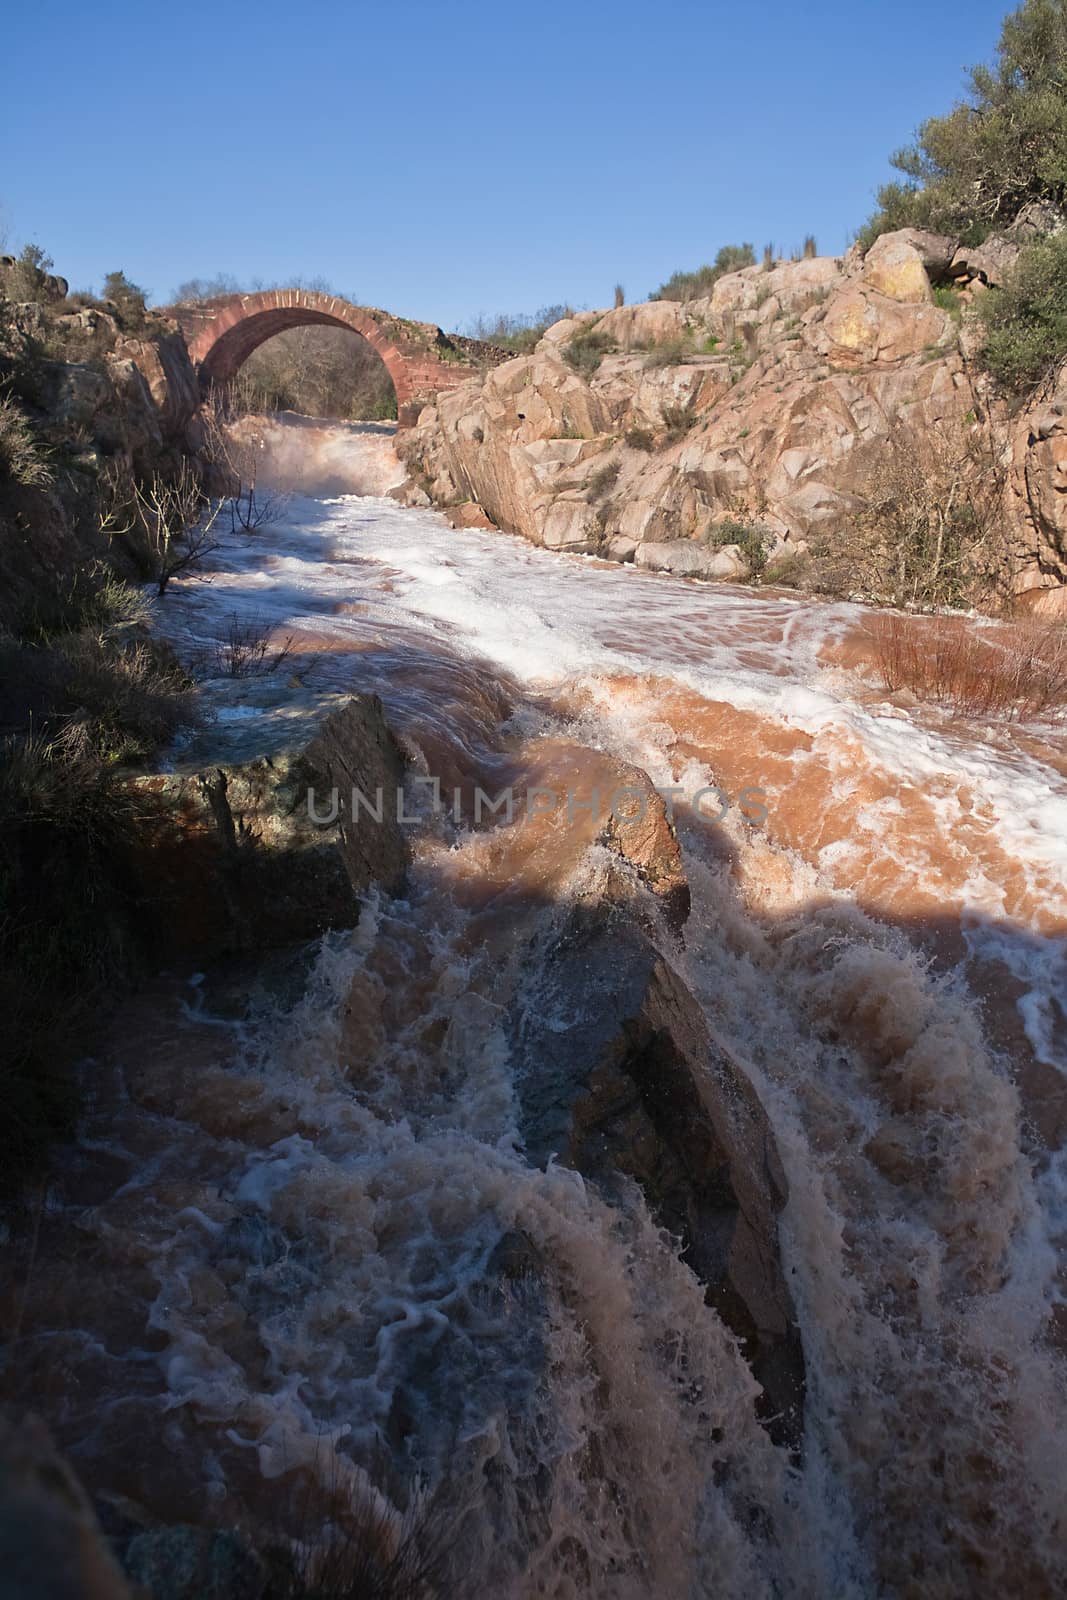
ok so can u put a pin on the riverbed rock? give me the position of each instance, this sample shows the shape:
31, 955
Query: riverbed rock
190, 1563
685, 559
230, 856
627, 1082
642, 833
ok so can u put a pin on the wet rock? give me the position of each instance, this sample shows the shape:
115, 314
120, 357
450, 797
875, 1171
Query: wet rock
626, 1080
187, 1563
642, 834
231, 858
51, 1547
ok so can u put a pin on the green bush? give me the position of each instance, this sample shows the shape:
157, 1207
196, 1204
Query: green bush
1026, 320
696, 285
127, 299
754, 540
30, 279
587, 350
948, 298
973, 170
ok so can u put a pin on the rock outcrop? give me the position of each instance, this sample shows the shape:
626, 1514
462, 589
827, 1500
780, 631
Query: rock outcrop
626, 1081
765, 403
229, 854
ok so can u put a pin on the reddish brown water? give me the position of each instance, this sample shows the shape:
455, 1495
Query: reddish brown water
267, 1262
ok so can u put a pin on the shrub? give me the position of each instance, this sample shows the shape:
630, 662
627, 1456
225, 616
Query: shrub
811, 249
948, 298
518, 332
640, 438
677, 421
127, 299
1018, 671
21, 457
604, 480
620, 296
696, 285
973, 170
1026, 320
669, 353
928, 532
30, 279
792, 571
754, 540
245, 652
587, 350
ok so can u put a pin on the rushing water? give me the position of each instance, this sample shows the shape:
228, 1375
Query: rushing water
276, 1259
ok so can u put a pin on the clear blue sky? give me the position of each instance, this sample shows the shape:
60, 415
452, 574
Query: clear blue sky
446, 157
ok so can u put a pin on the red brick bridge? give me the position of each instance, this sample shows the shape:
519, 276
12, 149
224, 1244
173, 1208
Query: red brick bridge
421, 360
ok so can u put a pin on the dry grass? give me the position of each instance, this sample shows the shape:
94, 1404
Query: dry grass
21, 457
1017, 672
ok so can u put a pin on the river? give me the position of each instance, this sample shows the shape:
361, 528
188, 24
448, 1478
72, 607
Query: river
272, 1268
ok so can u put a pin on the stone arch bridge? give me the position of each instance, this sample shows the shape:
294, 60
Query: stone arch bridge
421, 360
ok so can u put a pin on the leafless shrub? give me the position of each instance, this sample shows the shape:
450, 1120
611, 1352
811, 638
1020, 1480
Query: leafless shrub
929, 533
245, 650
234, 452
1017, 671
167, 522
620, 296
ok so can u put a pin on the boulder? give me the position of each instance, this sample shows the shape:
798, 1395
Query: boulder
625, 1081
231, 857
686, 559
644, 836
894, 267
990, 262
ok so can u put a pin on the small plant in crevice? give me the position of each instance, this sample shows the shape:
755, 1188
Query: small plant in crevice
677, 421
640, 439
947, 297
604, 480
587, 350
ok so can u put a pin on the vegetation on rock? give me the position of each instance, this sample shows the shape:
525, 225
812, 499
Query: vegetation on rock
695, 285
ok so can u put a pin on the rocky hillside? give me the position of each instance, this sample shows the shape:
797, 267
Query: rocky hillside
754, 431
96, 395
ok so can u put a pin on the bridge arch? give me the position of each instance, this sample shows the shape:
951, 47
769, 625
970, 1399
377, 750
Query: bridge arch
222, 333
